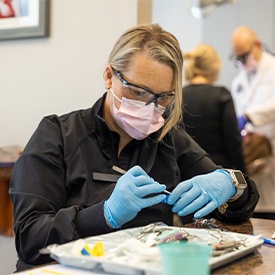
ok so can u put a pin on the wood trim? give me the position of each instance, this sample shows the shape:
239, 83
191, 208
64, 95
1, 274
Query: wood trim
144, 12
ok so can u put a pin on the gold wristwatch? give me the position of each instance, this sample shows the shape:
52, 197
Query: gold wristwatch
238, 181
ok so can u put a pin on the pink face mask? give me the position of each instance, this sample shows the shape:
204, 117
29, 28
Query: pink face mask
137, 119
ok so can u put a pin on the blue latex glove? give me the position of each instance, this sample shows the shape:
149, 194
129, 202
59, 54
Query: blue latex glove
204, 192
128, 199
242, 122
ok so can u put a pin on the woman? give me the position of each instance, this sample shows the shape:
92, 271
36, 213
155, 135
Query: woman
64, 186
208, 111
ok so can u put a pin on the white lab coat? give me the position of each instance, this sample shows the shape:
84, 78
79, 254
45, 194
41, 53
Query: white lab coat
256, 98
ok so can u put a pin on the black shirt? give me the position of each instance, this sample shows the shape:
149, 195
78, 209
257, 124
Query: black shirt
57, 197
209, 118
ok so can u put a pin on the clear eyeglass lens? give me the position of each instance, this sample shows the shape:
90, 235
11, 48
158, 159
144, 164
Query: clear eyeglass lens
138, 93
143, 95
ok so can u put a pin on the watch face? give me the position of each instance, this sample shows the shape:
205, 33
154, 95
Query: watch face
240, 178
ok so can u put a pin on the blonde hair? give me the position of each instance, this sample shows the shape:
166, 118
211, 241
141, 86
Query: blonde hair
202, 61
163, 47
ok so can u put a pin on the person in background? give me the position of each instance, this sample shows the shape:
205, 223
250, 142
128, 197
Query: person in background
66, 186
253, 92
253, 89
208, 111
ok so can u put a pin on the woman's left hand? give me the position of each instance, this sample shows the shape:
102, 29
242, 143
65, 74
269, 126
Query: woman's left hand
204, 193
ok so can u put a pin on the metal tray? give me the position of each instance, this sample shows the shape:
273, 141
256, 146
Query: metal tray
124, 254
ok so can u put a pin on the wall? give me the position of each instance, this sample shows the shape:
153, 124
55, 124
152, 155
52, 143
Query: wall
175, 16
63, 72
217, 27
8, 255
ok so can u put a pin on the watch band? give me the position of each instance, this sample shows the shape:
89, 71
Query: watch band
237, 195
240, 186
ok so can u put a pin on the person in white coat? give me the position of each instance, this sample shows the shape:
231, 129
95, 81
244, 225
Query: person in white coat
253, 92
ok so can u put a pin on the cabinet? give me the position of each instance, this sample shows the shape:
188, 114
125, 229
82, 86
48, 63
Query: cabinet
6, 208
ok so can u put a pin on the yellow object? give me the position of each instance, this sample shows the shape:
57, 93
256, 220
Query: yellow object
97, 250
52, 272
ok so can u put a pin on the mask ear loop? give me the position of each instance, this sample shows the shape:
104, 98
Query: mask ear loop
110, 89
115, 109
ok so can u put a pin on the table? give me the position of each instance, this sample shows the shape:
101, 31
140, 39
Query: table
260, 262
6, 208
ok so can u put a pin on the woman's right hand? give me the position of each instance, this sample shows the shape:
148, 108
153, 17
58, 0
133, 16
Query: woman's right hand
131, 195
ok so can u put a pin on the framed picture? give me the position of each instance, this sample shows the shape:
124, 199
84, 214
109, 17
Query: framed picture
24, 19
